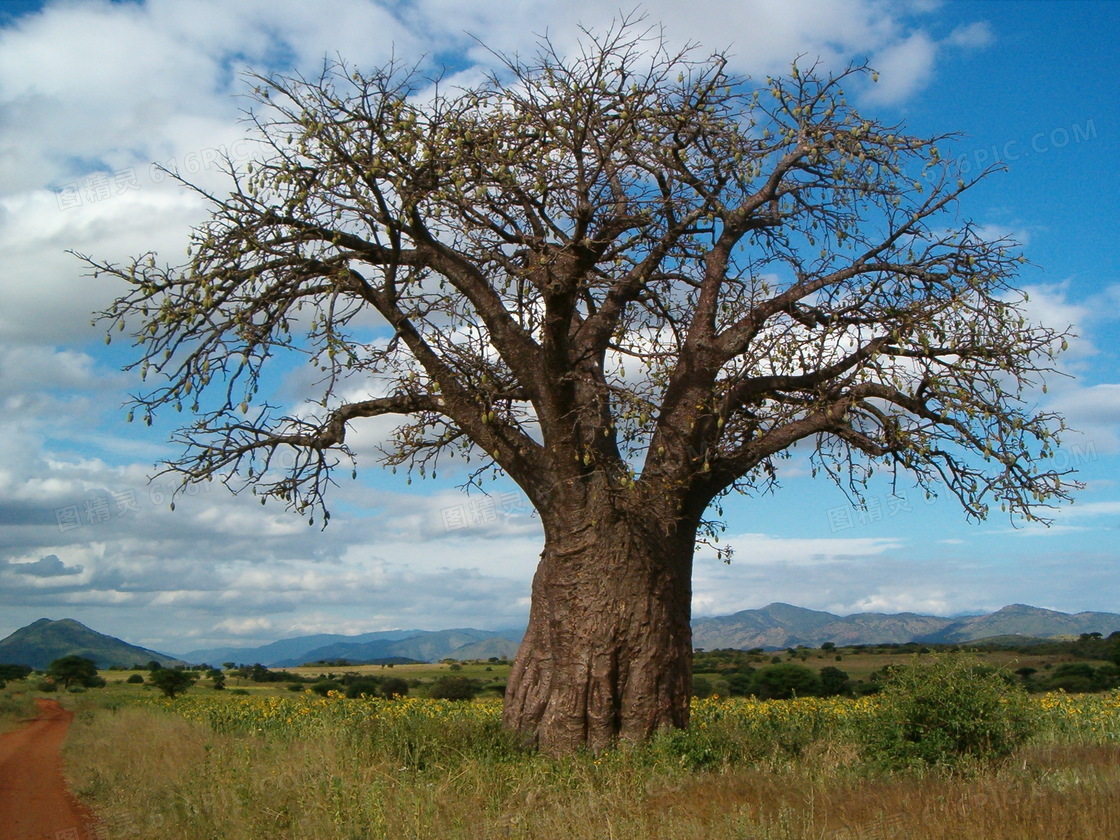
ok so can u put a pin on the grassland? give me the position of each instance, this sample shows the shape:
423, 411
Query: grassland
280, 764
267, 762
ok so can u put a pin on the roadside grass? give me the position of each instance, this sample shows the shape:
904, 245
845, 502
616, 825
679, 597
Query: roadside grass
16, 705
210, 764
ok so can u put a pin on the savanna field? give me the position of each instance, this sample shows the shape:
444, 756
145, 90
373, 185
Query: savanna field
212, 764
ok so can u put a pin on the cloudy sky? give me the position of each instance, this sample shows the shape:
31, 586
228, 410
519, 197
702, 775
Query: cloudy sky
94, 95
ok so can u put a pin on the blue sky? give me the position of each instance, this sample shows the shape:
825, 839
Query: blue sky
92, 94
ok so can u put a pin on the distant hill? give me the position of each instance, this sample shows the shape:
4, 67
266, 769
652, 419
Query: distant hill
427, 646
41, 642
422, 645
780, 626
486, 649
298, 647
1022, 620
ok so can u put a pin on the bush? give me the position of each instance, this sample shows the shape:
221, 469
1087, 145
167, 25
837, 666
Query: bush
394, 687
135, 679
833, 681
948, 712
453, 688
321, 687
783, 681
369, 686
11, 673
701, 687
740, 684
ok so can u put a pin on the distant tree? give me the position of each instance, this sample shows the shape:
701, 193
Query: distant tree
741, 683
73, 669
453, 688
135, 679
369, 686
323, 686
833, 681
394, 687
11, 673
219, 680
827, 646
171, 681
701, 687
1082, 677
628, 279
783, 681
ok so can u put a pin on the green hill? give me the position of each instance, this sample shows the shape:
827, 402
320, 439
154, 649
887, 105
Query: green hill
41, 642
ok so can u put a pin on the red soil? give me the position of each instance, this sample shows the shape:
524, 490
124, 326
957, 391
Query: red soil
34, 801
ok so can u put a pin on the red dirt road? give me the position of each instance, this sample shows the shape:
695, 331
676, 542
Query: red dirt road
34, 801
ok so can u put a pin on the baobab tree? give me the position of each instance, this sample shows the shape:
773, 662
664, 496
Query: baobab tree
629, 280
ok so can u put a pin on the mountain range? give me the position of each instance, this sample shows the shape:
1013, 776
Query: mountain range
780, 626
423, 645
774, 627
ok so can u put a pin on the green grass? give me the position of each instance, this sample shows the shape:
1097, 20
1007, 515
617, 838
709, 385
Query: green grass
274, 763
215, 765
16, 705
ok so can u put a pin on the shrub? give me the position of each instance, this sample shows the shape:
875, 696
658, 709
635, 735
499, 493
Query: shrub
453, 688
11, 673
740, 684
833, 681
394, 687
948, 712
321, 687
783, 681
135, 679
369, 686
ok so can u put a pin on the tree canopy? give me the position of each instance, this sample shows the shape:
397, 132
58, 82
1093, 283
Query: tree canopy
73, 669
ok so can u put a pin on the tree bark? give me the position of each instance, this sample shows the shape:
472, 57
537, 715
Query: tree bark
608, 650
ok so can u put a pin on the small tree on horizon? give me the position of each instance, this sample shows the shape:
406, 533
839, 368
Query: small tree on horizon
71, 669
172, 681
629, 280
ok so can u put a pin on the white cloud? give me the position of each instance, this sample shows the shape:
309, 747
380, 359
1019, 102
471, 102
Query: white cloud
971, 36
1084, 510
904, 68
246, 626
1093, 412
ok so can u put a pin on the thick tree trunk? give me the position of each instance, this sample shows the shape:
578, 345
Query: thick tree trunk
608, 651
